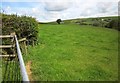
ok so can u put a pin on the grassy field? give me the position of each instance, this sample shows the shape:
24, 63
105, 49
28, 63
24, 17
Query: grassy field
73, 52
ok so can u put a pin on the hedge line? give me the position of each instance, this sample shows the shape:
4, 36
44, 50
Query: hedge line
23, 26
107, 22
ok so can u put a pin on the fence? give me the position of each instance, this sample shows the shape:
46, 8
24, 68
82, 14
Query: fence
13, 67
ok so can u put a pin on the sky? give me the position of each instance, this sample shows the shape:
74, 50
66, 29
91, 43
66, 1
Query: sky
51, 10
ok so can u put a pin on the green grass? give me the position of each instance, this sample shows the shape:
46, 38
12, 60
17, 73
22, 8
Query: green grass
0, 70
10, 70
73, 52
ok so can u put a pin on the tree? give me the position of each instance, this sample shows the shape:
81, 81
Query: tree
58, 21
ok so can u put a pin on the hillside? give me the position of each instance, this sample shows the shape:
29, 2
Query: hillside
73, 52
83, 49
105, 22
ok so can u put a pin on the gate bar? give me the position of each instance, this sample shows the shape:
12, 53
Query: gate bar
22, 65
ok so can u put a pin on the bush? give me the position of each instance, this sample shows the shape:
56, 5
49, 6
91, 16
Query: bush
96, 23
23, 26
113, 24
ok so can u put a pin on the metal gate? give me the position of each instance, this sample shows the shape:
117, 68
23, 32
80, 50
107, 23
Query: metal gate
13, 67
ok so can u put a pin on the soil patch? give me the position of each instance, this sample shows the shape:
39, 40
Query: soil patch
28, 69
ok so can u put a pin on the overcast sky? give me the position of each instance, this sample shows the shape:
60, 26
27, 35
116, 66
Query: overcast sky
50, 10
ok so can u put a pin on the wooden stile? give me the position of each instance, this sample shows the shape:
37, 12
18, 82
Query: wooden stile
6, 46
7, 55
6, 36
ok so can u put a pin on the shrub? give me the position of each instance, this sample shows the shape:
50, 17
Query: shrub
24, 26
96, 23
113, 24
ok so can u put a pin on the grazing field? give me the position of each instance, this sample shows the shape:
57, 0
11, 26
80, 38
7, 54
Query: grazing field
70, 52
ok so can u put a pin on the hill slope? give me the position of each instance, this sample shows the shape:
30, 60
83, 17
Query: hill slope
74, 52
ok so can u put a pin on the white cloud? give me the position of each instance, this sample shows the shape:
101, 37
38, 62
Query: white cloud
57, 5
60, 0
50, 10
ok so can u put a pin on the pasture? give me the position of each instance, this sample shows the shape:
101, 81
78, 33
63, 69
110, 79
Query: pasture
71, 52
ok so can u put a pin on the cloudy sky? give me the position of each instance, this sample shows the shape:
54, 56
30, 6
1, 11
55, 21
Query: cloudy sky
50, 10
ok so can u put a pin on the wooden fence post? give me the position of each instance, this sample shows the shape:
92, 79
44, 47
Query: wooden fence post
25, 47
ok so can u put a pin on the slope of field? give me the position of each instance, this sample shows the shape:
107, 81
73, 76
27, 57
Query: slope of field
74, 52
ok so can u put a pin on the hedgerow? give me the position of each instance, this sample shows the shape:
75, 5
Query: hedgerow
23, 26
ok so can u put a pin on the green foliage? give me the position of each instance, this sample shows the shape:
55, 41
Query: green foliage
58, 21
96, 23
106, 22
113, 24
71, 52
24, 26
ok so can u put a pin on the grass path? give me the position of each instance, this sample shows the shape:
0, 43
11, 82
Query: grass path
73, 52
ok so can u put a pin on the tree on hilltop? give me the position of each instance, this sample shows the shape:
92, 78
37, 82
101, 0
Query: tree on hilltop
58, 21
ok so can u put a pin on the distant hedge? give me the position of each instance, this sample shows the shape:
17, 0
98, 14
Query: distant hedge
23, 26
107, 22
114, 23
